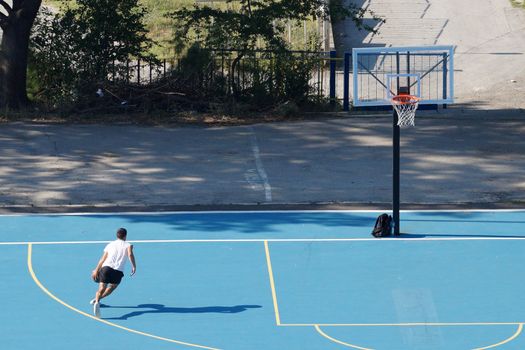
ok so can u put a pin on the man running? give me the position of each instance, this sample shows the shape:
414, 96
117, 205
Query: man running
110, 268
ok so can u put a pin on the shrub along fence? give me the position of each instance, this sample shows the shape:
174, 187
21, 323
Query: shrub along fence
315, 75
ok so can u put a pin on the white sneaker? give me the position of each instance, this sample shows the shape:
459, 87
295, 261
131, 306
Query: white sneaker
96, 309
92, 301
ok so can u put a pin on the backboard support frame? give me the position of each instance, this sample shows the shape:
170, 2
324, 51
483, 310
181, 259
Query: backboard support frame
433, 64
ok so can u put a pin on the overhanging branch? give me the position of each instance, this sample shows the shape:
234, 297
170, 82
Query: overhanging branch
26, 8
4, 21
6, 6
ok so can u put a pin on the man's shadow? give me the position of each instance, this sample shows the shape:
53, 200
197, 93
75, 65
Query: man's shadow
161, 309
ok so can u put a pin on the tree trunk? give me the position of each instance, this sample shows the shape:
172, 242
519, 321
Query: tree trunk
354, 30
341, 26
235, 88
14, 53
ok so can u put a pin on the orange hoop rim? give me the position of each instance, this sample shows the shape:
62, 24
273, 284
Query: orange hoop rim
405, 99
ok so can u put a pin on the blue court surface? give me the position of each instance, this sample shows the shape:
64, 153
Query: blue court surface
304, 280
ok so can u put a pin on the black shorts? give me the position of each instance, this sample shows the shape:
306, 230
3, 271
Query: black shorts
109, 275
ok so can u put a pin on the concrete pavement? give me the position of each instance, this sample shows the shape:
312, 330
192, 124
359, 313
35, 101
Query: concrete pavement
488, 35
451, 158
472, 154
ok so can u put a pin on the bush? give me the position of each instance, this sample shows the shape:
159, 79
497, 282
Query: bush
75, 50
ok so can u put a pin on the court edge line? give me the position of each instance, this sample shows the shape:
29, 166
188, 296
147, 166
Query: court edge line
147, 213
415, 324
41, 286
272, 284
277, 240
518, 331
318, 329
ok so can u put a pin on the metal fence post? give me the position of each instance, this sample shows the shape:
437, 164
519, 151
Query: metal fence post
138, 71
333, 65
346, 87
127, 72
445, 74
150, 71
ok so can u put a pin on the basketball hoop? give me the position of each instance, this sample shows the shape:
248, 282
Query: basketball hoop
405, 106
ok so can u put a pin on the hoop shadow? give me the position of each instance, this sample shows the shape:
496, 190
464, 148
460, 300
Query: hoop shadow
162, 309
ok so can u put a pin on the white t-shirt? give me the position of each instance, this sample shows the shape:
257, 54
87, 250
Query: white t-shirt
117, 254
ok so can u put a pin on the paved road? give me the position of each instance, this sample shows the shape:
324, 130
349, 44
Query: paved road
450, 158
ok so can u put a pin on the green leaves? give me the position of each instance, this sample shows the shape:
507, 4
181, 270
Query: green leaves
85, 43
242, 24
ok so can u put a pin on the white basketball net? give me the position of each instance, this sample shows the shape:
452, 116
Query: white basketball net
405, 106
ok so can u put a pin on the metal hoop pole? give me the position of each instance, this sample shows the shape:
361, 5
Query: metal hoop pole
396, 172
395, 161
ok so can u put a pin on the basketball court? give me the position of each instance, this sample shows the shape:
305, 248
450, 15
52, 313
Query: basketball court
267, 280
296, 279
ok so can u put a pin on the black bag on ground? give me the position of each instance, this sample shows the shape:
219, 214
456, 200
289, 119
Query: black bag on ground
383, 226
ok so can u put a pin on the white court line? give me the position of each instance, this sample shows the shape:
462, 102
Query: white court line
259, 166
277, 240
195, 212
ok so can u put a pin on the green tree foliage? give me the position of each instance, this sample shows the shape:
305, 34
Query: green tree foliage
247, 25
83, 45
